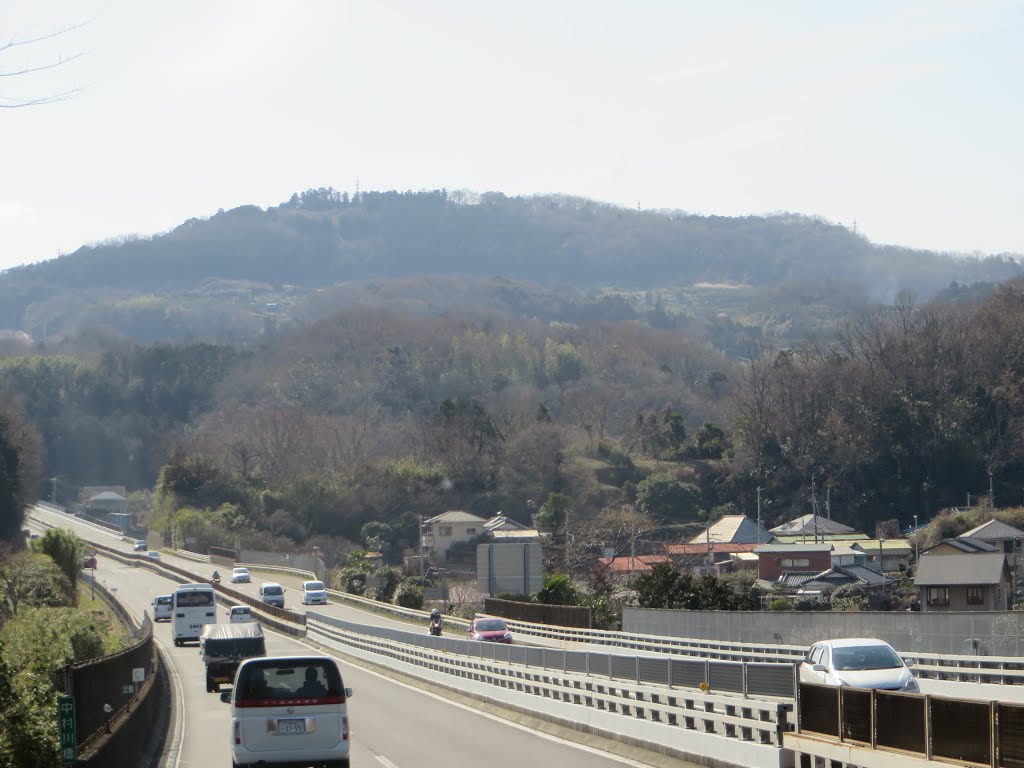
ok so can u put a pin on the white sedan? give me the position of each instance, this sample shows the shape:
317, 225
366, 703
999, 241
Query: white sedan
857, 662
241, 576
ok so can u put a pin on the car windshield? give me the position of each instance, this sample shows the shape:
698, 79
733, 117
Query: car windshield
241, 570
865, 657
272, 590
166, 600
491, 625
313, 586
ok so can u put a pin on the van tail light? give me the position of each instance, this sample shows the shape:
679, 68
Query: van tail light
238, 733
344, 728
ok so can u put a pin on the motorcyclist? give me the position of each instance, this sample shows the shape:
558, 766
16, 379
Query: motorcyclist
216, 577
435, 622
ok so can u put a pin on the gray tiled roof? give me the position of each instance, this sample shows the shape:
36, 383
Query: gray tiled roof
810, 523
993, 530
950, 570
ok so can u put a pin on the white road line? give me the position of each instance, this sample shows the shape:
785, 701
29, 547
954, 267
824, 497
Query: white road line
385, 762
177, 740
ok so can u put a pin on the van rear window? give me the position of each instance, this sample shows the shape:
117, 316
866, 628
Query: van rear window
293, 683
193, 599
272, 591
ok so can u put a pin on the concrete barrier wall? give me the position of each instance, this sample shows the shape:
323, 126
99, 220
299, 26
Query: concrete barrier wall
283, 560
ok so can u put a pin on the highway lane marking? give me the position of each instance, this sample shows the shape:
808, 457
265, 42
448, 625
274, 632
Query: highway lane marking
178, 709
467, 708
385, 762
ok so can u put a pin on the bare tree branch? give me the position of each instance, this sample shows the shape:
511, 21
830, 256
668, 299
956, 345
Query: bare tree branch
12, 102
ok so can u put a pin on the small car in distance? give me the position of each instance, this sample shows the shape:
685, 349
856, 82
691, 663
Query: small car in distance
490, 629
241, 575
289, 710
139, 545
859, 663
272, 593
314, 593
162, 608
240, 614
153, 554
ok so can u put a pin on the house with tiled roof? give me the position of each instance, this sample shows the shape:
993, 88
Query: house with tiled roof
774, 560
442, 531
971, 582
885, 555
961, 545
811, 524
1006, 538
733, 529
627, 566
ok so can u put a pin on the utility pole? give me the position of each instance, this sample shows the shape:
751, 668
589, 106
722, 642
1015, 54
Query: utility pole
53, 490
917, 555
991, 492
759, 515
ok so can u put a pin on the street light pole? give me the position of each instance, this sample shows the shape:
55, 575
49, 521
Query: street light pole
916, 553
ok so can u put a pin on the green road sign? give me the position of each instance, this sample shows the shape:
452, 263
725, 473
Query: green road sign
66, 727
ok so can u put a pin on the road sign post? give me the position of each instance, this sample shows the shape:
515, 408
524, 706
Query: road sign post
66, 728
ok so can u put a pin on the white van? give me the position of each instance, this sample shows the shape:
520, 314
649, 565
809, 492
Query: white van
194, 606
162, 608
289, 710
272, 593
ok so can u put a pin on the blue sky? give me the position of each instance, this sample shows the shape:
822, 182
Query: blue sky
902, 118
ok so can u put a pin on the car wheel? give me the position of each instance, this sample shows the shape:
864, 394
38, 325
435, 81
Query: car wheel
211, 686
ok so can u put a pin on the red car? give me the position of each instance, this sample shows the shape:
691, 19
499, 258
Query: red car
490, 630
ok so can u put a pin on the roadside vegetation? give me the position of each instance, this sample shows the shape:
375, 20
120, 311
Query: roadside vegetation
47, 622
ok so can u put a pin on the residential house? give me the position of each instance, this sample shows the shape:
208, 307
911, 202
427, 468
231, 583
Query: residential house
716, 557
627, 566
827, 582
886, 555
960, 546
843, 554
444, 530
1006, 538
810, 525
733, 529
774, 560
975, 582
501, 529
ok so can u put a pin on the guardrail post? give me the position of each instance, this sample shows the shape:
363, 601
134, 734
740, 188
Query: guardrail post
927, 727
637, 671
993, 734
746, 688
874, 720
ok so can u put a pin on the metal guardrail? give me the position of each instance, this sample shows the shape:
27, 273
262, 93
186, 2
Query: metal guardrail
747, 679
984, 733
762, 722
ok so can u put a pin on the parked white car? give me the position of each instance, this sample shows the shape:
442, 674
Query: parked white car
289, 710
858, 662
314, 593
240, 575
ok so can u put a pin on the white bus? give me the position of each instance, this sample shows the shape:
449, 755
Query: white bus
193, 607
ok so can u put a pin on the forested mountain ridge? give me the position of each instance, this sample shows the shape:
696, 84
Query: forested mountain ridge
214, 278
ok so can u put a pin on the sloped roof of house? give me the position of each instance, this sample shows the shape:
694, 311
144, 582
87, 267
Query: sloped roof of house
994, 530
501, 523
954, 570
810, 523
736, 529
839, 538
107, 496
890, 546
456, 516
627, 564
840, 575
781, 548
519, 534
965, 544
717, 547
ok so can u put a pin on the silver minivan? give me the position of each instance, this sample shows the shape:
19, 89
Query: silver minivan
272, 593
289, 710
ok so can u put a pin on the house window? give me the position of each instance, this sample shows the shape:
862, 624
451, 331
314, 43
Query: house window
799, 562
444, 530
471, 531
938, 595
975, 595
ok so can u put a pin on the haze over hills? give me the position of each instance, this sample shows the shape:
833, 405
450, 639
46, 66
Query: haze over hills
551, 257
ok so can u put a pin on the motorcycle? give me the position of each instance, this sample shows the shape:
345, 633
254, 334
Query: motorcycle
215, 579
435, 629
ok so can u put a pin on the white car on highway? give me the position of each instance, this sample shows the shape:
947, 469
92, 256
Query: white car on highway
314, 593
859, 663
241, 575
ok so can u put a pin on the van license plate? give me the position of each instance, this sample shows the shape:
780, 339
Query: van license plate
291, 726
